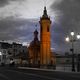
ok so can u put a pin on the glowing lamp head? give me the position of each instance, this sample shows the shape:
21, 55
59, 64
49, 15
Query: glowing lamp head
78, 36
67, 39
72, 33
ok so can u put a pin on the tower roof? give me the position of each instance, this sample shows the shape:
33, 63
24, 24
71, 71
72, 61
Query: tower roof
45, 15
45, 12
35, 42
36, 32
35, 35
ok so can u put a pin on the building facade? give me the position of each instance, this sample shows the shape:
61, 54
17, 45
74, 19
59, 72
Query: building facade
45, 44
15, 51
4, 46
34, 49
40, 51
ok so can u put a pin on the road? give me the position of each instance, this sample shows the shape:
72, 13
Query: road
32, 74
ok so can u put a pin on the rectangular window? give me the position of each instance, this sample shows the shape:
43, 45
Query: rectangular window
41, 29
47, 29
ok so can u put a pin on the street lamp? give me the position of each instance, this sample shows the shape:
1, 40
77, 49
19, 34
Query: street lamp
72, 33
72, 39
78, 36
67, 39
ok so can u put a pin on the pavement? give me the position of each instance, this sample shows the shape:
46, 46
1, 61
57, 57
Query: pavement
25, 73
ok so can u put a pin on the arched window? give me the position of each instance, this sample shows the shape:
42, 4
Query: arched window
47, 28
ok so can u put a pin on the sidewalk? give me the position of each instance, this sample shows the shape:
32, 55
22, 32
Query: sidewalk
47, 69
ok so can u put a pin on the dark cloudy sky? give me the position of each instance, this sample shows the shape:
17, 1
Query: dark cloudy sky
19, 17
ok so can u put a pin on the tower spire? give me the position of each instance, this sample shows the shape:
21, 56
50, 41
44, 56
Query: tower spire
36, 34
45, 12
45, 52
45, 15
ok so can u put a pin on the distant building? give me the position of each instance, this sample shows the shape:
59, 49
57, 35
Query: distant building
16, 48
14, 51
3, 55
4, 51
65, 59
34, 49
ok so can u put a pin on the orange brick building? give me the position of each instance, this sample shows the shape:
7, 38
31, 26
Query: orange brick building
40, 51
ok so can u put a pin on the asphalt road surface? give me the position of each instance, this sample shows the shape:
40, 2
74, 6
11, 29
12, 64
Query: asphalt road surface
32, 74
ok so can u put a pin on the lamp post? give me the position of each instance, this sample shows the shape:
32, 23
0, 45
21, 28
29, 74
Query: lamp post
72, 39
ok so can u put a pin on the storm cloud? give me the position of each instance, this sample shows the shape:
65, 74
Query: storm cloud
18, 19
6, 2
17, 29
70, 9
3, 2
69, 19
